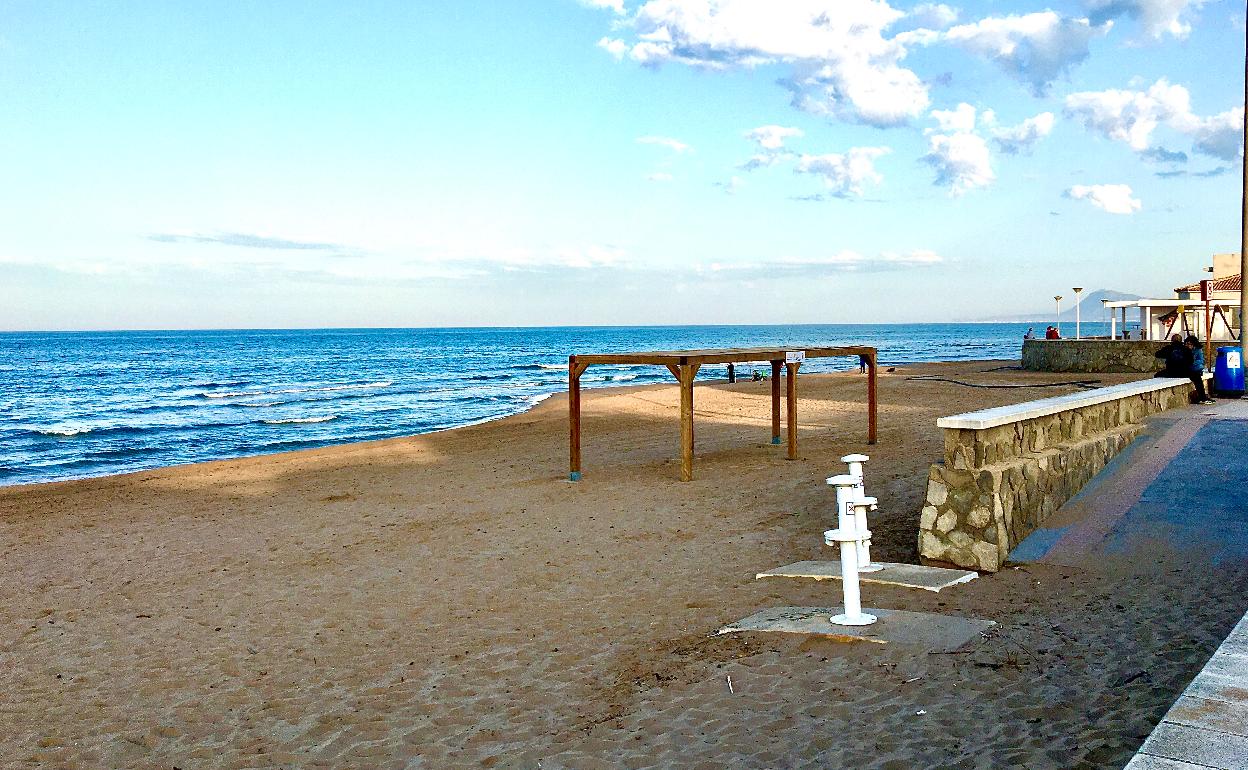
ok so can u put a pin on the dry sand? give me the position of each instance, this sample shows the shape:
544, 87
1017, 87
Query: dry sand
448, 600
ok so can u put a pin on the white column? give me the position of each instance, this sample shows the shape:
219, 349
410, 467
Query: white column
847, 537
855, 463
1113, 326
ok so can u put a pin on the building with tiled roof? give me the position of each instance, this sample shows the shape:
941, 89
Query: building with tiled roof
1187, 312
1228, 283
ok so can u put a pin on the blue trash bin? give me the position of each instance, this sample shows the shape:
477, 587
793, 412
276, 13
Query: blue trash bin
1228, 373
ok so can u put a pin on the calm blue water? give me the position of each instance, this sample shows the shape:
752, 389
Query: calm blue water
95, 403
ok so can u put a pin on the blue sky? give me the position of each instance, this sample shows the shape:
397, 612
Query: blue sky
177, 165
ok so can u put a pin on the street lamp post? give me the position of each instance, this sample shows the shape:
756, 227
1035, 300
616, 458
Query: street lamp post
1078, 291
1058, 300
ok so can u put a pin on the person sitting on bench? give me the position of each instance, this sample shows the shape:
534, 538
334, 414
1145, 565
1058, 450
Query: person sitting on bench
1179, 362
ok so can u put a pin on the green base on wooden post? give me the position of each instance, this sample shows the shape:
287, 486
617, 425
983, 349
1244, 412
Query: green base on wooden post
574, 476
775, 439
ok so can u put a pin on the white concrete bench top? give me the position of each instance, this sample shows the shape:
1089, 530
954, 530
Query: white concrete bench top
1029, 410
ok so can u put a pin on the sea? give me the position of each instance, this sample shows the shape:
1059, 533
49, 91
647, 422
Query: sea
79, 404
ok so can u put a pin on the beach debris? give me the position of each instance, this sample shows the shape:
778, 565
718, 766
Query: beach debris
730, 690
920, 712
848, 536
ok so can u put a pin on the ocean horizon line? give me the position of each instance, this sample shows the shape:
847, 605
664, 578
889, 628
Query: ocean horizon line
157, 330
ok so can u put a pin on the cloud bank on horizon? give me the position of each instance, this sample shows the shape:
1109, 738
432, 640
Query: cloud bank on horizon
646, 144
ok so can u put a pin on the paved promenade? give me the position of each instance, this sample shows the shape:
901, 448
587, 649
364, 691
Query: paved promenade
1182, 485
1181, 492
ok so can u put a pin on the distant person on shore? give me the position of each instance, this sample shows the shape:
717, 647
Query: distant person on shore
1198, 368
862, 364
1051, 333
1031, 333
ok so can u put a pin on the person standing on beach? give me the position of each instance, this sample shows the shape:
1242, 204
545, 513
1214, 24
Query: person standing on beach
862, 364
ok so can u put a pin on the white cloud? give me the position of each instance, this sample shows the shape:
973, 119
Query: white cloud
1131, 117
1036, 48
659, 176
841, 262
616, 6
772, 137
961, 160
1012, 140
961, 118
322, 253
933, 15
731, 186
844, 174
857, 91
1114, 198
614, 46
959, 155
770, 140
1157, 18
842, 62
664, 141
1220, 135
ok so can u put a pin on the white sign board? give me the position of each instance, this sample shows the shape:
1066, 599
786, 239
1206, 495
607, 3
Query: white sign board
1232, 359
794, 356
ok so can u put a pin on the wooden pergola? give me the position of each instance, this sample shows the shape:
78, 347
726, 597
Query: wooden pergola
684, 365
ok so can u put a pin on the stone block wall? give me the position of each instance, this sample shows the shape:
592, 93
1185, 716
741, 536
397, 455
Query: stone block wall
1091, 355
997, 485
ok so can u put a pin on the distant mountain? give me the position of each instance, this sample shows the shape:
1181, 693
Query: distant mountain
1090, 309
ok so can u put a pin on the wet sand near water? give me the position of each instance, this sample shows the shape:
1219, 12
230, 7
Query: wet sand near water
448, 600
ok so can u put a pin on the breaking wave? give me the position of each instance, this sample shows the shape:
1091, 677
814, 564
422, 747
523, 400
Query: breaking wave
301, 420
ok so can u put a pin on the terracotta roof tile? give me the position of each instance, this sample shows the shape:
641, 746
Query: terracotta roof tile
1228, 283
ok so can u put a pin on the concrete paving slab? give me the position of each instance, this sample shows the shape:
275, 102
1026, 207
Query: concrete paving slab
894, 574
1211, 748
1232, 667
1148, 762
1212, 687
1210, 715
1229, 409
920, 629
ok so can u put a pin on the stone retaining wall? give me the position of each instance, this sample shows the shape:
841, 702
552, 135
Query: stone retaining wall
1091, 355
998, 484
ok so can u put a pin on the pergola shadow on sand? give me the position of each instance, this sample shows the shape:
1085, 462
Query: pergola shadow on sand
684, 365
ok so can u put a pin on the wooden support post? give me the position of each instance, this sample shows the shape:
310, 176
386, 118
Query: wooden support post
871, 400
790, 398
775, 402
687, 373
574, 420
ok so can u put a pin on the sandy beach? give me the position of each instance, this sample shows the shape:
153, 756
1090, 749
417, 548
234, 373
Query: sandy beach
449, 600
